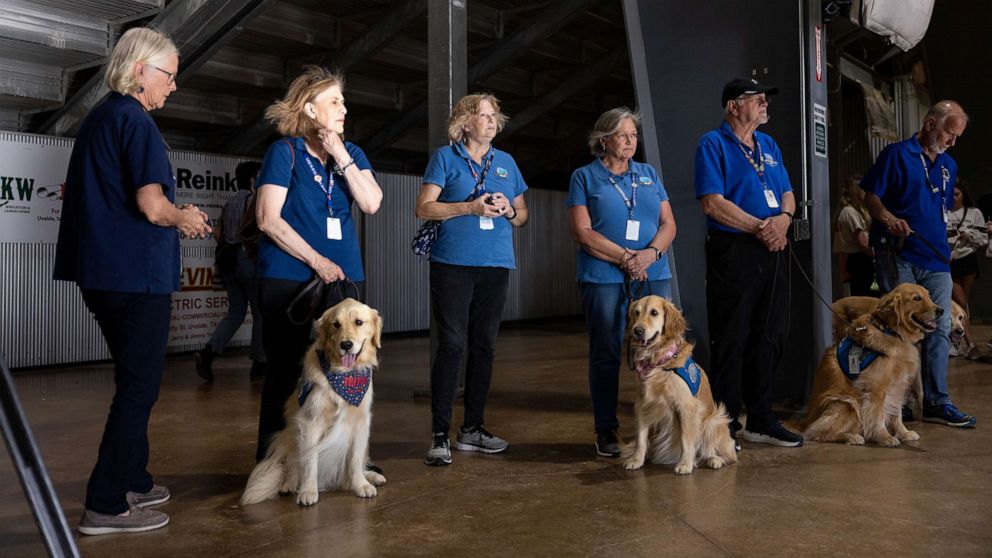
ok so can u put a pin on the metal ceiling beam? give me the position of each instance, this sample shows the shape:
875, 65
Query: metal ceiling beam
585, 77
198, 27
498, 55
371, 41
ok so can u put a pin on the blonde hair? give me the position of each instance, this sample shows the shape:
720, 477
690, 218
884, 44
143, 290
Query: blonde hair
849, 196
139, 44
607, 124
288, 115
466, 108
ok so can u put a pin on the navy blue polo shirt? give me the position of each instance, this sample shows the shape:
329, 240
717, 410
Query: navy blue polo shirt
591, 187
105, 243
899, 180
722, 168
460, 240
305, 209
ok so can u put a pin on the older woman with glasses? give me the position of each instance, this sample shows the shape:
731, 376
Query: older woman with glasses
618, 213
119, 242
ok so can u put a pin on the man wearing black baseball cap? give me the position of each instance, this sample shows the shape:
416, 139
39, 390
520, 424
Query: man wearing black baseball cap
746, 195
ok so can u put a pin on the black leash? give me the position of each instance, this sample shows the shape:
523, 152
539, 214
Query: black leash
817, 293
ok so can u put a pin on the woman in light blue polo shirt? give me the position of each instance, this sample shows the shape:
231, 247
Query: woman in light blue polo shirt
618, 213
309, 179
478, 193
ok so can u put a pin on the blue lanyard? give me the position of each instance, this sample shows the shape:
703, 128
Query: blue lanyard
759, 165
631, 202
480, 181
319, 179
944, 175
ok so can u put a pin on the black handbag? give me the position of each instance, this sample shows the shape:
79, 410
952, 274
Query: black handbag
310, 300
226, 257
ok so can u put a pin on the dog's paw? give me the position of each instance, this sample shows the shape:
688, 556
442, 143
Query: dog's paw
375, 478
683, 469
366, 491
714, 463
307, 497
909, 436
889, 442
855, 440
633, 463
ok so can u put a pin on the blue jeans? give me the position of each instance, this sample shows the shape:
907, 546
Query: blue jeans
605, 306
136, 329
936, 344
242, 289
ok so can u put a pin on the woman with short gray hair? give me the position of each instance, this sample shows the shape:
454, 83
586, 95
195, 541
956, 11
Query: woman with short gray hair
618, 213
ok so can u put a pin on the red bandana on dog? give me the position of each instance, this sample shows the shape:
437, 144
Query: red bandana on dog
351, 385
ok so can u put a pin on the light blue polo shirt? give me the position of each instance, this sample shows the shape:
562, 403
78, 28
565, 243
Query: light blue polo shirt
722, 168
305, 210
898, 179
591, 187
460, 240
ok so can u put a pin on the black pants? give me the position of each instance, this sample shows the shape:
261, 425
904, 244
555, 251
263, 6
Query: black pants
746, 304
468, 306
861, 268
136, 329
285, 344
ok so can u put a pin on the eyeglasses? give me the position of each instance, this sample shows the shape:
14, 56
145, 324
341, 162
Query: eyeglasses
626, 137
172, 76
762, 100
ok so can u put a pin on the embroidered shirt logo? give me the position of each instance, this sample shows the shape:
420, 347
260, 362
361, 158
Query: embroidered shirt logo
501, 172
769, 161
646, 180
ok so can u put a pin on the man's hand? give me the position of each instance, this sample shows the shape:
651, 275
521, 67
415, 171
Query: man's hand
898, 227
773, 232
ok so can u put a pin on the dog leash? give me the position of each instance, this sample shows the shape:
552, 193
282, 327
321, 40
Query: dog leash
818, 295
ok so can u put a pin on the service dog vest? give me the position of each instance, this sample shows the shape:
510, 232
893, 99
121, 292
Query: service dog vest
853, 358
690, 374
351, 385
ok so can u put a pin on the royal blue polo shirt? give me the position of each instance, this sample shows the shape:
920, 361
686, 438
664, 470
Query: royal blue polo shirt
460, 240
105, 242
722, 168
591, 188
288, 164
898, 179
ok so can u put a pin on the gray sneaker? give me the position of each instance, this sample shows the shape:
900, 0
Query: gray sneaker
157, 495
440, 453
139, 520
478, 438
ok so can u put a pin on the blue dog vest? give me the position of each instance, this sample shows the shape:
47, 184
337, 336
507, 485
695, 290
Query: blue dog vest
351, 385
690, 373
853, 358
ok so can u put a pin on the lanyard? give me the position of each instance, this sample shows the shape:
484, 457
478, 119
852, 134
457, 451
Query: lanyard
319, 179
759, 165
631, 202
943, 174
480, 181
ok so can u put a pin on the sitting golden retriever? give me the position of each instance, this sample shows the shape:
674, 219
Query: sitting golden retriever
325, 443
867, 406
677, 420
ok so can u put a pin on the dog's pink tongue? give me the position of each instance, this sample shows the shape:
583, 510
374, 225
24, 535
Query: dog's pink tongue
348, 360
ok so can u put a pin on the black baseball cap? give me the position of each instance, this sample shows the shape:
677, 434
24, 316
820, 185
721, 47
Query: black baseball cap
744, 86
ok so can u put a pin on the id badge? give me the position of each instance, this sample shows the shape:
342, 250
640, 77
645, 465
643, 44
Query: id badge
770, 198
486, 223
854, 361
333, 228
633, 230
944, 211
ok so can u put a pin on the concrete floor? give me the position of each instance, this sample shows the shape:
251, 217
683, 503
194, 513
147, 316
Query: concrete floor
547, 496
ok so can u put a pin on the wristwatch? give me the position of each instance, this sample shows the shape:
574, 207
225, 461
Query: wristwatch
657, 253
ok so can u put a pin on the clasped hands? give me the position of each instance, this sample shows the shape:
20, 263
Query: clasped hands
773, 232
193, 222
635, 263
490, 205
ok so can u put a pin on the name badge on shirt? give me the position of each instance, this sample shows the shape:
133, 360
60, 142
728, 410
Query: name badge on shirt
486, 223
944, 211
770, 198
633, 230
333, 228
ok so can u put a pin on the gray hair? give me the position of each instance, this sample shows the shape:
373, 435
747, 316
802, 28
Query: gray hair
942, 109
607, 124
139, 44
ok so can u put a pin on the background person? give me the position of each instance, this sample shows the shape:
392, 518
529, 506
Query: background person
967, 234
618, 213
851, 240
118, 242
746, 195
909, 191
309, 181
470, 266
241, 282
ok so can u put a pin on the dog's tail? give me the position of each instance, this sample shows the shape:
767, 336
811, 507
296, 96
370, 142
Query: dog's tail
267, 477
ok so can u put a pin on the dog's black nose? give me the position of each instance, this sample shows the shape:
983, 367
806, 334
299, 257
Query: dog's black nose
940, 311
639, 331
347, 345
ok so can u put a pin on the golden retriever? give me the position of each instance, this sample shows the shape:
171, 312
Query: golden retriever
673, 425
869, 407
325, 443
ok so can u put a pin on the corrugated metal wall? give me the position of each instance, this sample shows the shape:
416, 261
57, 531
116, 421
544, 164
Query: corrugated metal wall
45, 322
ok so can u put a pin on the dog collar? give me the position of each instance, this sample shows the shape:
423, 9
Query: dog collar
668, 354
351, 385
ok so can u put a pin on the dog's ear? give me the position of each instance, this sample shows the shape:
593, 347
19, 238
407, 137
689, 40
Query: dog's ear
674, 321
376, 329
889, 310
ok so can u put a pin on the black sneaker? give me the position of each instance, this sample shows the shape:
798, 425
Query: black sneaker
607, 444
774, 434
439, 454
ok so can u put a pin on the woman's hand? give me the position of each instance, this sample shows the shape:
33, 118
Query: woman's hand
637, 262
326, 269
485, 206
501, 203
193, 222
332, 144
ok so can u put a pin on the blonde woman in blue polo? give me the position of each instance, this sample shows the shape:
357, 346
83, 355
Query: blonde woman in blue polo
478, 193
618, 213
